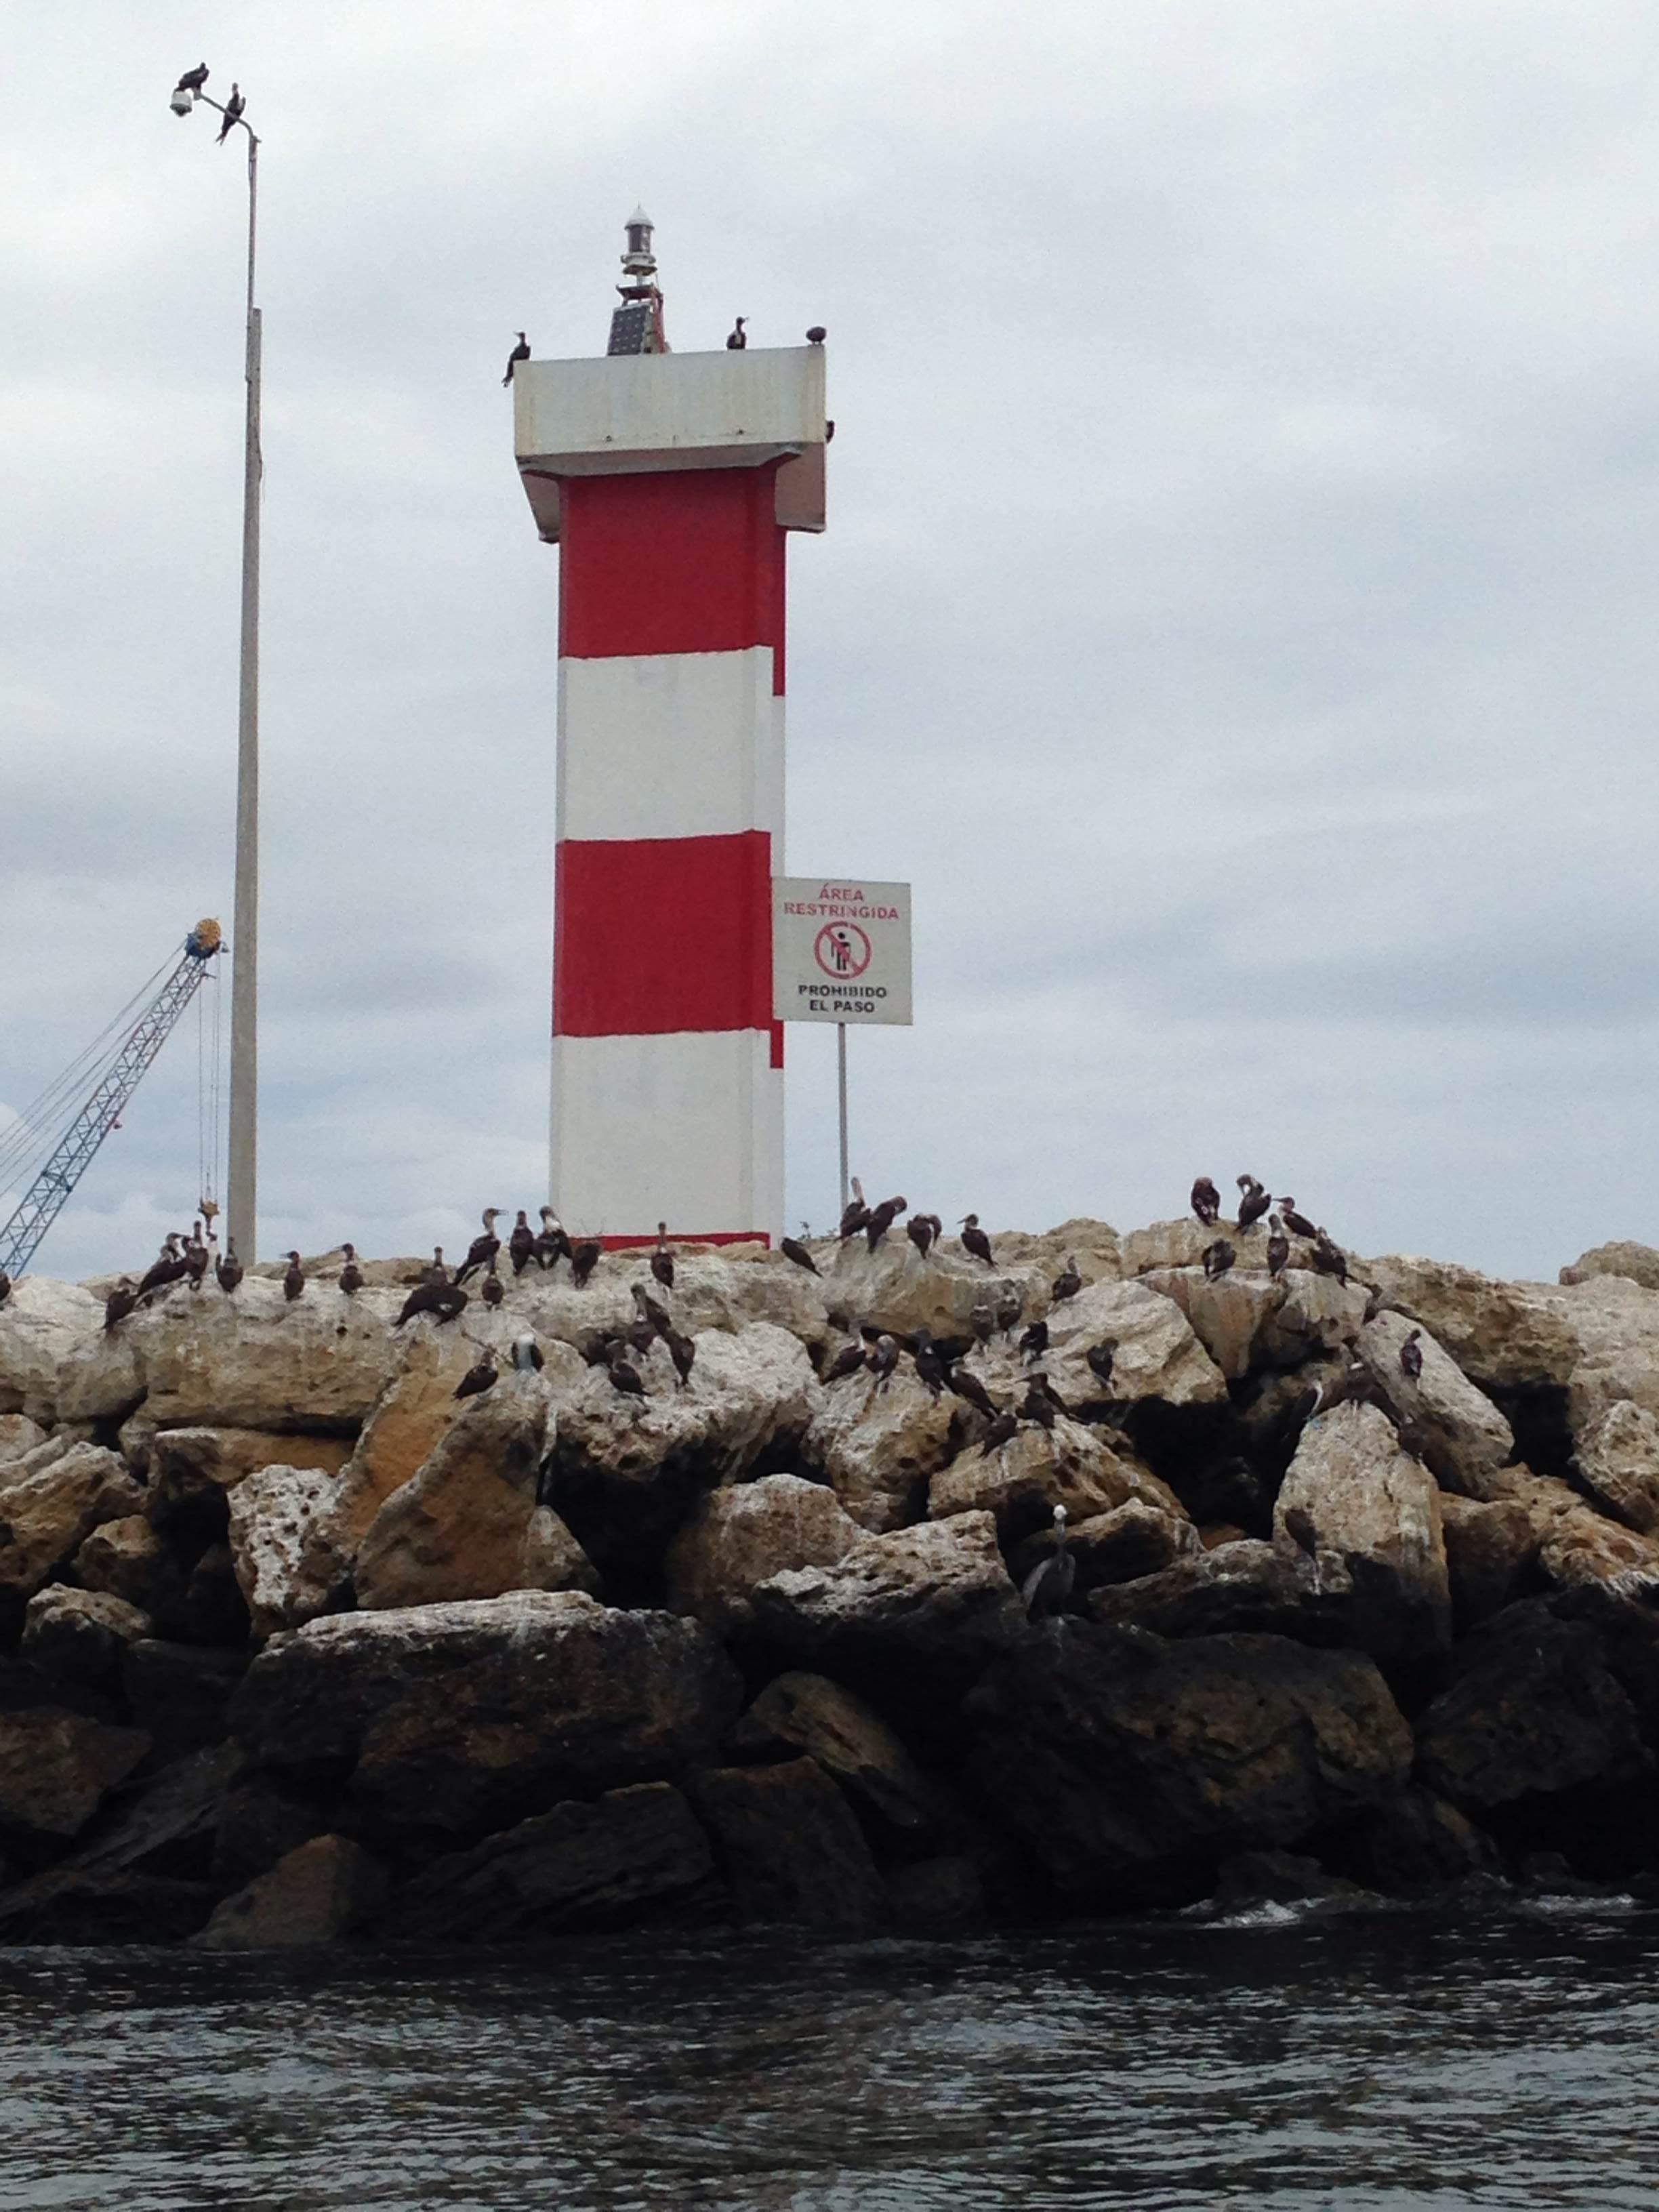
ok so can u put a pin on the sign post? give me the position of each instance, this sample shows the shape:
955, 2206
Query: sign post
841, 953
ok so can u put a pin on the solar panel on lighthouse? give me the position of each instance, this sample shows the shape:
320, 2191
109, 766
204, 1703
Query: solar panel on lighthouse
630, 328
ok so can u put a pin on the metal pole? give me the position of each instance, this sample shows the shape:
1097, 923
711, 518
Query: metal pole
241, 1195
841, 1077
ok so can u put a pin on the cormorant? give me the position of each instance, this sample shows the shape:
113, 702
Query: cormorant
1066, 1283
662, 1260
682, 1351
884, 1359
1253, 1201
983, 1320
194, 80
443, 1301
816, 335
1011, 1304
660, 1319
521, 1244
1037, 1405
491, 1290
920, 1230
1298, 1224
351, 1275
1278, 1246
640, 1334
974, 1240
169, 1267
1206, 1202
584, 1258
1101, 1358
968, 1386
930, 1368
1328, 1257
624, 1377
233, 107
435, 1272
1002, 1430
1048, 1588
792, 1249
847, 1361
230, 1270
1299, 1528
1035, 1342
117, 1306
196, 1258
552, 1245
482, 1249
882, 1219
293, 1280
1411, 1356
520, 352
736, 341
854, 1213
527, 1356
1218, 1258
477, 1379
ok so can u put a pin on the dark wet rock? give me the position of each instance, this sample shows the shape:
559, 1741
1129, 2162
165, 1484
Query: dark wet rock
1491, 1551
81, 1636
1243, 1585
260, 1822
939, 1590
1132, 1541
129, 1559
1129, 1767
580, 1866
181, 1693
744, 1533
810, 1714
1414, 1844
322, 1891
56, 1767
790, 1845
213, 1609
50, 1501
1254, 1878
460, 1717
939, 1895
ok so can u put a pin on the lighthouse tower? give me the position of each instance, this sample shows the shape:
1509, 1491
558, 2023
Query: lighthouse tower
669, 481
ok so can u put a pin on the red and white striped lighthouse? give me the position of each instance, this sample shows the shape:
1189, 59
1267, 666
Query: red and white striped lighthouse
669, 481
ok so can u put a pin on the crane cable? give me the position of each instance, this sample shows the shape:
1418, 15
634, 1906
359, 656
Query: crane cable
39, 1124
209, 1053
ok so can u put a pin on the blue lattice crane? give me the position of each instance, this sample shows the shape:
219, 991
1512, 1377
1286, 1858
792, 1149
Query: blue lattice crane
103, 1080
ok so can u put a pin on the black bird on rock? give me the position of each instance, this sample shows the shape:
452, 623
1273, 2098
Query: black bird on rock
117, 1305
640, 1336
1254, 1200
848, 1361
351, 1275
1003, 1430
1278, 1247
884, 1359
196, 1258
816, 335
584, 1258
625, 1378
552, 1245
1011, 1304
974, 1240
1048, 1588
229, 1271
491, 1290
968, 1385
443, 1301
1035, 1342
233, 107
1206, 1202
194, 80
682, 1351
854, 1213
1066, 1283
482, 1249
1298, 1224
662, 1260
520, 352
5, 1286
660, 1320
983, 1320
930, 1368
435, 1270
1299, 1528
1328, 1257
477, 1379
882, 1219
521, 1244
735, 339
1218, 1258
294, 1279
1101, 1358
792, 1248
1411, 1356
170, 1266
527, 1356
1037, 1405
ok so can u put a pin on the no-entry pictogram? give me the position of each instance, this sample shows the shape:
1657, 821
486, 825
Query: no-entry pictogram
842, 951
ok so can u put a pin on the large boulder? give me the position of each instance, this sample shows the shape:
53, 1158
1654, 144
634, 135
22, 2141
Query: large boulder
1534, 1708
80, 1635
287, 1567
625, 1470
1464, 1438
939, 1591
713, 1290
252, 1360
1156, 1354
1492, 1548
192, 1471
1619, 1464
460, 1717
1243, 1585
462, 1527
324, 1890
127, 1559
741, 1534
1022, 1480
790, 1846
18, 1435
578, 1867
1353, 1492
877, 1443
811, 1715
1502, 1335
56, 1767
894, 1288
1182, 1244
47, 1512
1639, 1263
1129, 1767
1229, 1313
1577, 1546
42, 1324
179, 1694
1133, 1539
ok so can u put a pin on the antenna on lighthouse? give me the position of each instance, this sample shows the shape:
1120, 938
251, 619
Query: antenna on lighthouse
636, 326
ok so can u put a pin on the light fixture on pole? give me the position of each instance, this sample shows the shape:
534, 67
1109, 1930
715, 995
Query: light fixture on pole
242, 1182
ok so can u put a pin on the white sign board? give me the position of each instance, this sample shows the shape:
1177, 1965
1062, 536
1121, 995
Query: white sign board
841, 950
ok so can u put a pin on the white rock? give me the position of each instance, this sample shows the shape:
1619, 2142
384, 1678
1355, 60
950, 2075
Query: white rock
286, 1569
1466, 1440
877, 1444
47, 1512
18, 1435
710, 1292
1157, 1354
1619, 1461
1022, 1480
41, 1324
939, 1590
746, 1532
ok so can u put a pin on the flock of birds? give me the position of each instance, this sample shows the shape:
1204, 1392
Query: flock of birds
192, 81
736, 341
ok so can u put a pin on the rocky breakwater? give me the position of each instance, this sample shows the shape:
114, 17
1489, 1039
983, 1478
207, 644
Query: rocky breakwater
1356, 1582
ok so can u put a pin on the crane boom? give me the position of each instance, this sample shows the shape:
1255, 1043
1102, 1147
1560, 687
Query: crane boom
72, 1155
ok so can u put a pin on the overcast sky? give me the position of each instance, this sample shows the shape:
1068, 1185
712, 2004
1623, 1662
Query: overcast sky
1236, 614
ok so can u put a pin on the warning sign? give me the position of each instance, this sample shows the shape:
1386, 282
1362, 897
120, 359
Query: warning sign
841, 951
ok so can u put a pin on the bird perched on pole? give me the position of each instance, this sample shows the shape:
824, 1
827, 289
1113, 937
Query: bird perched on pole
194, 80
736, 341
482, 1249
233, 107
792, 1248
974, 1240
520, 352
